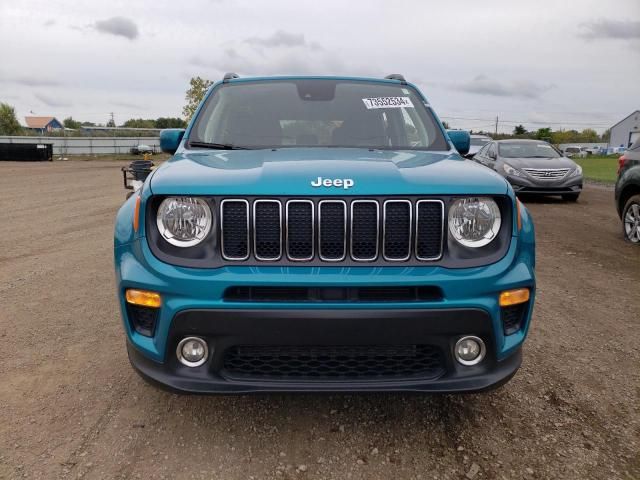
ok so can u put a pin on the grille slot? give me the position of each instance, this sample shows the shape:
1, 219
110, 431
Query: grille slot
397, 230
143, 319
512, 317
267, 225
547, 173
300, 226
332, 230
234, 219
365, 218
333, 363
333, 294
429, 229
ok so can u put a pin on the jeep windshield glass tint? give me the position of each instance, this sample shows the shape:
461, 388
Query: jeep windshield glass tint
316, 113
527, 150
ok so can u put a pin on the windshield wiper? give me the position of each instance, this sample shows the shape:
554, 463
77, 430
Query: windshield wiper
217, 146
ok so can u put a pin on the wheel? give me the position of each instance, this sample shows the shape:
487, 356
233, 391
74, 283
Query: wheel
571, 197
631, 220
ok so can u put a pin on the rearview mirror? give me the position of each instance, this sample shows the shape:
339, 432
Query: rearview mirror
170, 139
461, 140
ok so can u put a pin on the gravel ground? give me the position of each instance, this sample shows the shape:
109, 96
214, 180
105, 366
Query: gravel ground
71, 407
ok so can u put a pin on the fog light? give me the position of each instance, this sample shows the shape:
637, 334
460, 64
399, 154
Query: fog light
192, 351
469, 350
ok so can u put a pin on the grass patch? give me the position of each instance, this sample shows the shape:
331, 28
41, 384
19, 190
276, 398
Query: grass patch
599, 168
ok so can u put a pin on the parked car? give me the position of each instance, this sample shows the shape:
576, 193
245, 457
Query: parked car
323, 234
578, 152
141, 149
627, 193
477, 142
533, 167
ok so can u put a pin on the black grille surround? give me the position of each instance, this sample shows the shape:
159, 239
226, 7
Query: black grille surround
342, 228
328, 362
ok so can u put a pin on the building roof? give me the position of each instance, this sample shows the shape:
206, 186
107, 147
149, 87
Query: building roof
39, 122
632, 113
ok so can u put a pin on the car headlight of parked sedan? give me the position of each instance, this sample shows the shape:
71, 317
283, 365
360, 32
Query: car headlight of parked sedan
509, 170
475, 221
577, 172
184, 221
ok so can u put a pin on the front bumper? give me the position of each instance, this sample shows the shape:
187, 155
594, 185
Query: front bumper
529, 185
193, 303
224, 329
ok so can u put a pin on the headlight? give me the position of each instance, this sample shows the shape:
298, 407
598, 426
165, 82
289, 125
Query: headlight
509, 170
474, 221
184, 221
577, 172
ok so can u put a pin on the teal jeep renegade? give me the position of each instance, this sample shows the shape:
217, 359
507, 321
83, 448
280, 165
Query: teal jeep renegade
323, 234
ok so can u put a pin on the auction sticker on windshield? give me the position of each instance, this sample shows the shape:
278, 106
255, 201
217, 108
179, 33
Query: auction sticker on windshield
387, 102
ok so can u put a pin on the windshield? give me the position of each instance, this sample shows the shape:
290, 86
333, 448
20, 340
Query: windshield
478, 142
527, 150
316, 113
572, 149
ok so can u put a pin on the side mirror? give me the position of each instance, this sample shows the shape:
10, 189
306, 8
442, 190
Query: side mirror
461, 140
170, 139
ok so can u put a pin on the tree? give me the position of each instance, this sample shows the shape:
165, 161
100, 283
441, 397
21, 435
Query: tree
111, 123
170, 122
197, 88
589, 135
139, 123
445, 125
606, 135
9, 124
69, 122
543, 133
519, 130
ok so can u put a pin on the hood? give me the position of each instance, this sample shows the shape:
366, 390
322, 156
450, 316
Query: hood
562, 162
293, 171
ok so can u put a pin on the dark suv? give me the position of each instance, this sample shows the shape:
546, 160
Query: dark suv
628, 193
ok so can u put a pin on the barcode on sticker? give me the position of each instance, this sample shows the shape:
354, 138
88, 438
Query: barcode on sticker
387, 102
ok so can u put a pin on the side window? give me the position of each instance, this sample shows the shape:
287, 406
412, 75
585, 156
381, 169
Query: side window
493, 151
483, 151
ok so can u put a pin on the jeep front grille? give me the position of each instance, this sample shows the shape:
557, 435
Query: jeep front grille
331, 230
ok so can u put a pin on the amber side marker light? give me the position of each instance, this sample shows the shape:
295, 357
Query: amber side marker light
136, 215
519, 220
514, 297
143, 298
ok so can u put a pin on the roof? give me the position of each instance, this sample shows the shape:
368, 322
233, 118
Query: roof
632, 113
520, 140
39, 122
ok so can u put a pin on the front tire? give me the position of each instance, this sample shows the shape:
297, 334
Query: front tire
570, 197
631, 220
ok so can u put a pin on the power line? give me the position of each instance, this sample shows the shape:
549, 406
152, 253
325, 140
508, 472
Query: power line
518, 122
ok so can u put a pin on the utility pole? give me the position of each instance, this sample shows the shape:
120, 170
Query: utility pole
496, 125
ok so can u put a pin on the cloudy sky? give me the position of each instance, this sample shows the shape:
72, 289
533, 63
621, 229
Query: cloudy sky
541, 63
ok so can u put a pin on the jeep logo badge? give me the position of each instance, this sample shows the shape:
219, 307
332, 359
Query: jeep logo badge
345, 183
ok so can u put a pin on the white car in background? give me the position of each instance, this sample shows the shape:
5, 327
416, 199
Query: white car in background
477, 142
575, 152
